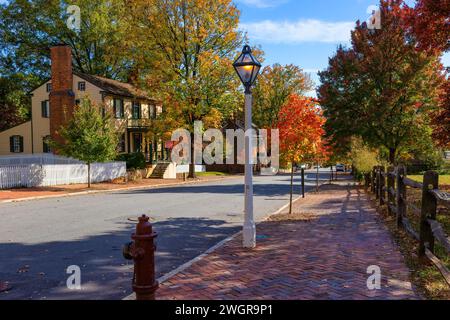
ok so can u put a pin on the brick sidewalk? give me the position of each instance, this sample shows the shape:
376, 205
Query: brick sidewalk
324, 257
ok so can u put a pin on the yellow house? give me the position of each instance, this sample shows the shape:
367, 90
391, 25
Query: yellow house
132, 108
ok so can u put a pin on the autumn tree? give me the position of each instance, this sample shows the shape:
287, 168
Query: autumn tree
441, 119
427, 22
275, 84
300, 124
381, 89
195, 42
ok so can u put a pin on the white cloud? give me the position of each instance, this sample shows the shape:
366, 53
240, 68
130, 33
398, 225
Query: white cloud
263, 3
287, 32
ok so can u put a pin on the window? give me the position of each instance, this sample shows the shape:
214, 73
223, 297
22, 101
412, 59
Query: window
121, 145
152, 111
159, 110
118, 109
45, 109
82, 86
16, 144
136, 110
49, 87
46, 145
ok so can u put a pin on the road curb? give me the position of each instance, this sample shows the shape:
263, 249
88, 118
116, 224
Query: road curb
81, 193
200, 257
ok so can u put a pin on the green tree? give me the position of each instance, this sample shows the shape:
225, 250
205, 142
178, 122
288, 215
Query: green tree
275, 84
14, 102
382, 89
89, 136
101, 46
27, 30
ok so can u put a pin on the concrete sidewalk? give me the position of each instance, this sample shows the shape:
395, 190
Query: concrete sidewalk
321, 252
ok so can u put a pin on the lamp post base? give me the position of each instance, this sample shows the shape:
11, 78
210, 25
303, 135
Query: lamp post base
249, 236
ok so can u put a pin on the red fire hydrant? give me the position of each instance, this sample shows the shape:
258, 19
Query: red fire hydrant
142, 252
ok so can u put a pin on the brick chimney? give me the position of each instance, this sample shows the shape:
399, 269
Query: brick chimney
62, 97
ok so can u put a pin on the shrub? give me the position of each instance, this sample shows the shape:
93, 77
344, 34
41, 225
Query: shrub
363, 158
133, 160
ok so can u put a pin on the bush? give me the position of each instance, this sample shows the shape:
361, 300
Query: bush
133, 160
363, 158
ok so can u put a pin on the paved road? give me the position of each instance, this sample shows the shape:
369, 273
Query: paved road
40, 239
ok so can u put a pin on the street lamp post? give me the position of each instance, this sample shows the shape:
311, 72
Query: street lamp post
247, 67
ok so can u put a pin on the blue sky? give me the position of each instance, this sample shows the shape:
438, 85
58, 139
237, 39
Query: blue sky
302, 32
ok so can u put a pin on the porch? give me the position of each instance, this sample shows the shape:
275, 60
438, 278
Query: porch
155, 150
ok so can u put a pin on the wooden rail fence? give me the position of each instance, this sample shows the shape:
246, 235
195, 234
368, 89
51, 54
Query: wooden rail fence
390, 190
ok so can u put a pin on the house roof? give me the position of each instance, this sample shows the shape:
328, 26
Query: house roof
109, 86
238, 123
115, 87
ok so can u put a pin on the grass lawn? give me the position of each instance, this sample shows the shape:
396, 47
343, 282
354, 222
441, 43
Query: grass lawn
443, 179
212, 174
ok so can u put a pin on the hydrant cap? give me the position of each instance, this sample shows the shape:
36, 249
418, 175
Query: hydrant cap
144, 227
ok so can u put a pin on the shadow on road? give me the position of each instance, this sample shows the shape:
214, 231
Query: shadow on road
38, 271
282, 188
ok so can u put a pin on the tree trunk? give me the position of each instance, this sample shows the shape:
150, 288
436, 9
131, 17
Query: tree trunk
89, 175
392, 152
292, 187
192, 174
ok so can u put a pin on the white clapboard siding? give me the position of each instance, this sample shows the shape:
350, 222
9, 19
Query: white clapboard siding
36, 175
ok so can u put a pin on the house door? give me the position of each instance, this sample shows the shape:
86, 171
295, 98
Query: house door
137, 142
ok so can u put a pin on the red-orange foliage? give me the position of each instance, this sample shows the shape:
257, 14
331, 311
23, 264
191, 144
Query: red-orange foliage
441, 119
428, 23
301, 129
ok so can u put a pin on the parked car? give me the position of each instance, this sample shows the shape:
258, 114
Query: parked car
340, 168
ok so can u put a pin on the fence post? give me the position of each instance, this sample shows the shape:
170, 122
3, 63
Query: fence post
390, 184
429, 207
377, 183
303, 182
401, 195
374, 178
366, 181
382, 182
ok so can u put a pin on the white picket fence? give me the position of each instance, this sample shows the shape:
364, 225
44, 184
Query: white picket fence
37, 175
38, 158
184, 168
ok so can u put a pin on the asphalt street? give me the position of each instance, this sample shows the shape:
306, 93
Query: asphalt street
40, 239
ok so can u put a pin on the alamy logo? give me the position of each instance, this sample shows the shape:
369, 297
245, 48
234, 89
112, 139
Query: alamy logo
374, 21
233, 144
374, 280
73, 22
74, 280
